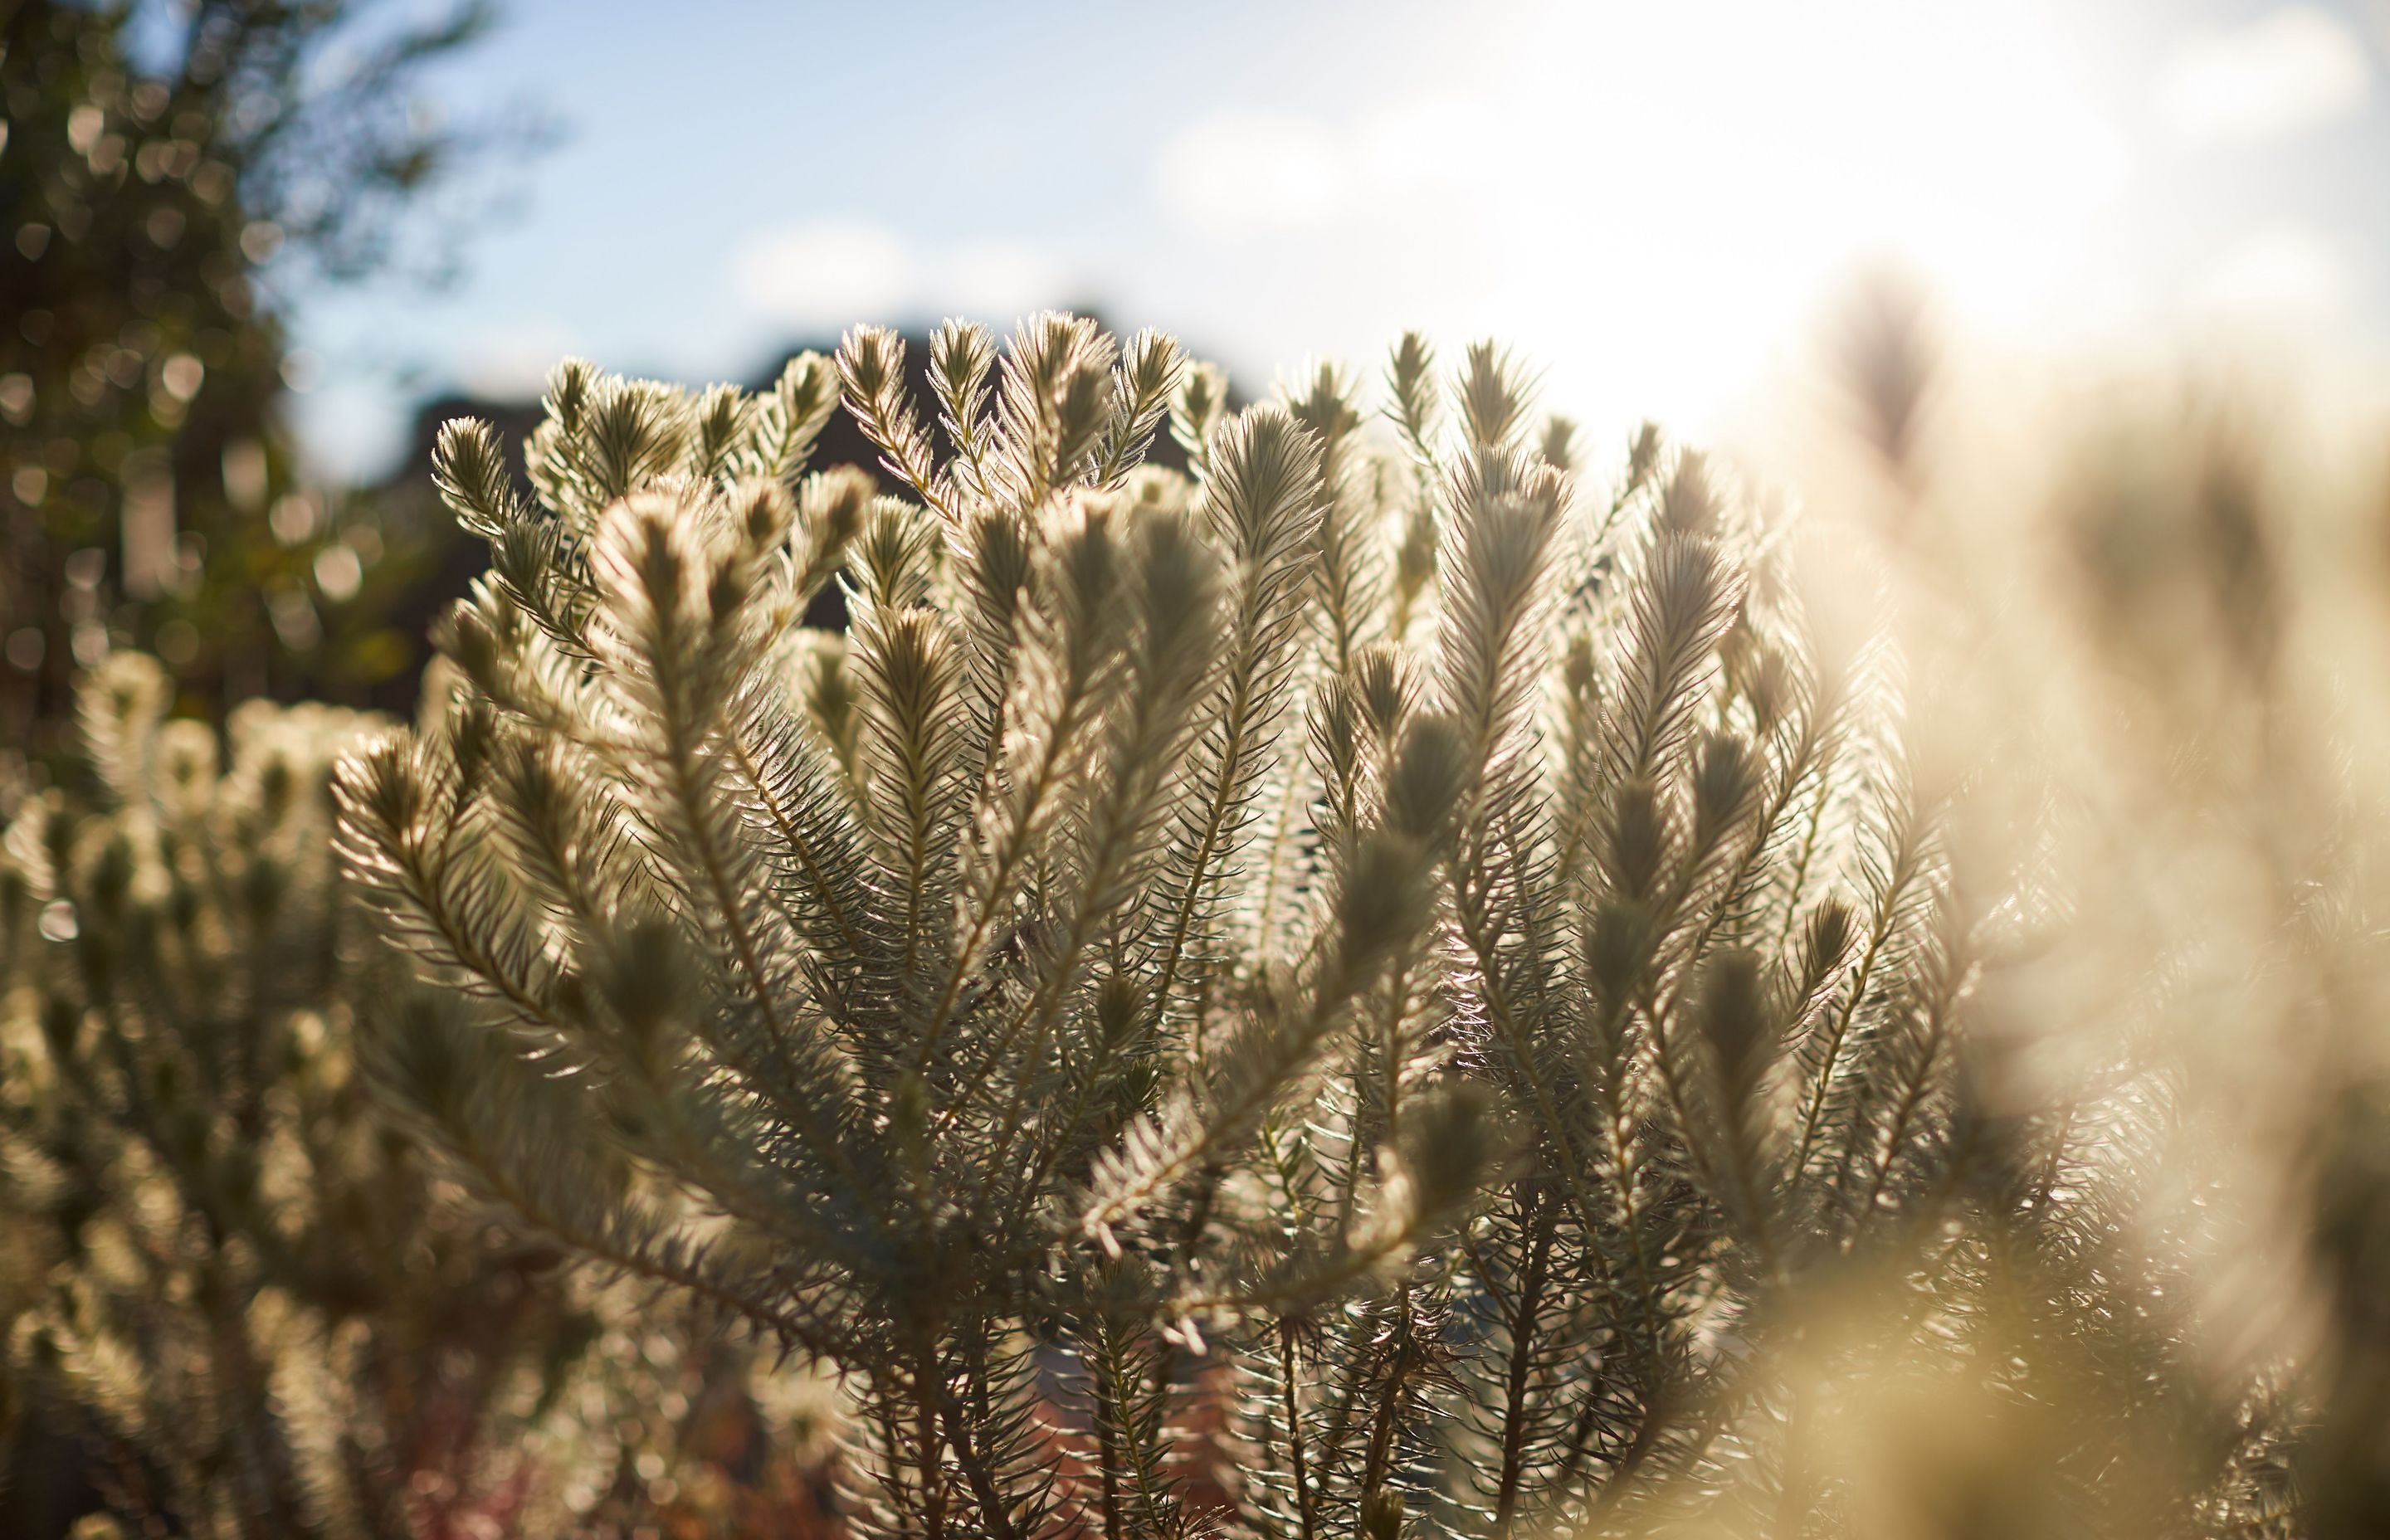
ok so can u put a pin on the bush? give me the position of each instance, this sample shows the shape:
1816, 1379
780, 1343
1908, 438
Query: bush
237, 1302
1369, 990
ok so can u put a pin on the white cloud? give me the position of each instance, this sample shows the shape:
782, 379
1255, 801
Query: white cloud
2293, 69
352, 430
831, 274
514, 362
1436, 144
1237, 171
996, 281
1244, 171
825, 274
2286, 273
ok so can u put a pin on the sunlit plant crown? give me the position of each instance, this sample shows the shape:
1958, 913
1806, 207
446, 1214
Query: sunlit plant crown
1399, 967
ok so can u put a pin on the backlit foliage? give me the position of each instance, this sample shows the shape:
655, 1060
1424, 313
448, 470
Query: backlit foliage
1392, 986
1380, 988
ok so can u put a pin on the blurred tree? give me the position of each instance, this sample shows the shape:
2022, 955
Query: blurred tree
156, 159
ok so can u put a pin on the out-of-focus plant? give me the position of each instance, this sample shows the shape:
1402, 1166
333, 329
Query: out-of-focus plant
1377, 942
2149, 638
237, 1302
171, 174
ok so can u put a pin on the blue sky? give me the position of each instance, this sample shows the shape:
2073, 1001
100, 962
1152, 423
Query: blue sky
1657, 198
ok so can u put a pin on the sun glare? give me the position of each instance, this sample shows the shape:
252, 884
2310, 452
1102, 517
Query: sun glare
1723, 191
